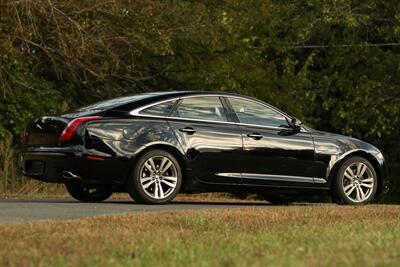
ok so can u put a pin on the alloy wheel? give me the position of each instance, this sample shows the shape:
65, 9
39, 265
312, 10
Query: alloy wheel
358, 182
158, 177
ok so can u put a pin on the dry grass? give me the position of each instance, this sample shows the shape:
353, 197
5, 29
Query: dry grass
11, 180
326, 235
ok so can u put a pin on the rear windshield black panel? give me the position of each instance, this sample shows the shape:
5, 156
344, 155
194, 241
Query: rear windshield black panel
128, 103
115, 102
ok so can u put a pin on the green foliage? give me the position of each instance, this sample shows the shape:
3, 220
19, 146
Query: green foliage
55, 55
25, 96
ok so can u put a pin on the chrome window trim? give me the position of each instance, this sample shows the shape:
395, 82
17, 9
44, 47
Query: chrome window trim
270, 177
136, 112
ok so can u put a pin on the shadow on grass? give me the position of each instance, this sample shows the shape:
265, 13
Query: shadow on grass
173, 203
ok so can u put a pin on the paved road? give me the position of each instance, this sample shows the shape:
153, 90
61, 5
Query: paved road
28, 210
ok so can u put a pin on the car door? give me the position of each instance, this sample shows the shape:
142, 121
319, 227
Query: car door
210, 140
273, 153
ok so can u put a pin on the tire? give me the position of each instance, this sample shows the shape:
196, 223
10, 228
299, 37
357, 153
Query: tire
355, 174
282, 200
86, 194
156, 178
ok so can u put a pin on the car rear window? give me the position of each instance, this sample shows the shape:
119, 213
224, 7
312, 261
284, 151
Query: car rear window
115, 102
162, 109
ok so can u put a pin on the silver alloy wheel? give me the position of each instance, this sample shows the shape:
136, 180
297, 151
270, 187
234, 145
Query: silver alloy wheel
158, 177
358, 182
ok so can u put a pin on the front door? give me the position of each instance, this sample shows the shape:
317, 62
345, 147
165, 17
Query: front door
273, 153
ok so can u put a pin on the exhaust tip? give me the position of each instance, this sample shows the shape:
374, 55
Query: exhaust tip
70, 176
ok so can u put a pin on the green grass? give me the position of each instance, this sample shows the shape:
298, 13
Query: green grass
326, 235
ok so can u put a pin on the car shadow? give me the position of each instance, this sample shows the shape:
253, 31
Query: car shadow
131, 202
128, 201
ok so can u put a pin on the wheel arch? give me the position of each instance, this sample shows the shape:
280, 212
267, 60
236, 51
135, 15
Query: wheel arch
178, 154
363, 154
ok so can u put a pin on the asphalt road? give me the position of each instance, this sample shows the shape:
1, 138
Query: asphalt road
28, 210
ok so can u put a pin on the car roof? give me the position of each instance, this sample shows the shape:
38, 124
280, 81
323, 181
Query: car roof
129, 103
168, 94
126, 103
159, 96
132, 102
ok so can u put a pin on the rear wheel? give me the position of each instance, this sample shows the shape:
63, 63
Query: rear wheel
156, 179
87, 194
355, 183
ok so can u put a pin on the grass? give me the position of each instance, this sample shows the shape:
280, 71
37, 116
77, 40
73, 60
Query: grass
326, 235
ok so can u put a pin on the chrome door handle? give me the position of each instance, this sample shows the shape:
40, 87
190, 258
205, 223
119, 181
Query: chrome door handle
187, 130
255, 136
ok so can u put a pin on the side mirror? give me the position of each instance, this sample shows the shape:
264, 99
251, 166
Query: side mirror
295, 124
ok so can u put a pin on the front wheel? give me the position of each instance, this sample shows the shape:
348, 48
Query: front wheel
356, 182
87, 194
156, 179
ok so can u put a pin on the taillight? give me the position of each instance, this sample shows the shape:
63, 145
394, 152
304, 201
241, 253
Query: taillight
69, 131
96, 158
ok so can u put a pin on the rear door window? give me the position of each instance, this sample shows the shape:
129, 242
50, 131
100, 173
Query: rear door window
207, 108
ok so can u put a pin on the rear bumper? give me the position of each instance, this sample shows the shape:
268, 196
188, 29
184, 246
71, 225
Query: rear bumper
52, 164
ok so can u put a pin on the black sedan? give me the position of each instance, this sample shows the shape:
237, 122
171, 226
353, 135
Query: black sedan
155, 145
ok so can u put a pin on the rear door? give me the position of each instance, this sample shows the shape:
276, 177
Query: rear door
210, 140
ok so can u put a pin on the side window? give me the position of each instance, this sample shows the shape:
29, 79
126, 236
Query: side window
201, 108
162, 109
250, 112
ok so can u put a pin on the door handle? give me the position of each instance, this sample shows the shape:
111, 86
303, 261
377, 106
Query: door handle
187, 130
255, 136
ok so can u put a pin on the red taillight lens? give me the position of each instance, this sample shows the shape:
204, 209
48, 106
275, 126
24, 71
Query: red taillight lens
95, 158
69, 131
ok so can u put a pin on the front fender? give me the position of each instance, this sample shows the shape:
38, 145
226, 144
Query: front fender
378, 163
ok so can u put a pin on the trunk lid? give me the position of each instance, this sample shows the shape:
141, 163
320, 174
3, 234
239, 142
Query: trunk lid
45, 131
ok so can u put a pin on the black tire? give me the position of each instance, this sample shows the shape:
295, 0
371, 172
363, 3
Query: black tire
135, 188
339, 183
282, 200
87, 194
